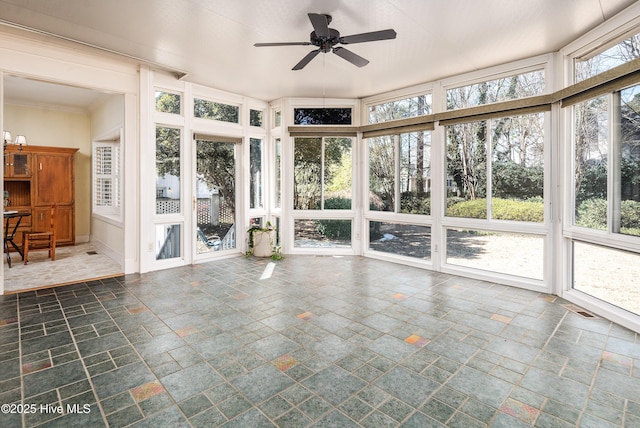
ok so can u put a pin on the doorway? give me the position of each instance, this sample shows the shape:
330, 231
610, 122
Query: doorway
52, 115
215, 196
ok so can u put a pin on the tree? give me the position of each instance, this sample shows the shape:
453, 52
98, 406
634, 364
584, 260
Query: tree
590, 149
382, 171
167, 151
517, 166
215, 164
307, 161
322, 116
167, 102
205, 109
466, 158
255, 172
309, 165
420, 179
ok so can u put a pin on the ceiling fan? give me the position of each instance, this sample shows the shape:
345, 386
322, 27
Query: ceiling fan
326, 39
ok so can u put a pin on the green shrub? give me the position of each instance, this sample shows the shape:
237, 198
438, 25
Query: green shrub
452, 200
592, 213
630, 214
476, 208
510, 209
411, 203
335, 229
512, 180
337, 204
502, 209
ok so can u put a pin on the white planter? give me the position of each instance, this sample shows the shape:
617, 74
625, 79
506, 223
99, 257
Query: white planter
262, 242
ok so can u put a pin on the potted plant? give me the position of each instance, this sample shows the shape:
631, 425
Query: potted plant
261, 241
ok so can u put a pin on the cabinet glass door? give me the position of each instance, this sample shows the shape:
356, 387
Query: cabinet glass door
16, 165
20, 164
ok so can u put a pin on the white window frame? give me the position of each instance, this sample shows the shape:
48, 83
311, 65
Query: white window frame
112, 209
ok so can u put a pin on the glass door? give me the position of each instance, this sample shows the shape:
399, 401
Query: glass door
214, 198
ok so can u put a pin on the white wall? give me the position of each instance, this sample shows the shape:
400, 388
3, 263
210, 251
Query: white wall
58, 128
107, 119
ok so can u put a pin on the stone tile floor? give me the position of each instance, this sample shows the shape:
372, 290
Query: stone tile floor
73, 263
324, 341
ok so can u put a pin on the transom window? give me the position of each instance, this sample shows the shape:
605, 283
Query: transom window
255, 118
167, 102
493, 91
400, 109
205, 109
621, 53
322, 116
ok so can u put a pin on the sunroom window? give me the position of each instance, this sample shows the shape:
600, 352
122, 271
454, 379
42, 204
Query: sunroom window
323, 169
621, 53
167, 170
497, 169
400, 183
168, 102
277, 185
600, 165
400, 109
256, 177
322, 116
255, 118
493, 91
212, 110
323, 174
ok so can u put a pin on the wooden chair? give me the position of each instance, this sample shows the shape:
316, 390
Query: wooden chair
45, 240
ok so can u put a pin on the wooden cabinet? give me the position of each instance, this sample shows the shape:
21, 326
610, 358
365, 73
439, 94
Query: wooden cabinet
36, 177
65, 222
51, 179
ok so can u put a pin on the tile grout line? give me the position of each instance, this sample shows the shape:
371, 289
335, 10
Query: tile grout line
142, 359
84, 366
18, 316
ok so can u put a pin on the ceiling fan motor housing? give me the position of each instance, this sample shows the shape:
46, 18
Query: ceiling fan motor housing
325, 43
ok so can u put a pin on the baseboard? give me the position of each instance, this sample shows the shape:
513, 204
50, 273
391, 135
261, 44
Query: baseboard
110, 252
82, 239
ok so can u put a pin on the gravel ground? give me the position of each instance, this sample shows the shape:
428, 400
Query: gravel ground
613, 276
610, 275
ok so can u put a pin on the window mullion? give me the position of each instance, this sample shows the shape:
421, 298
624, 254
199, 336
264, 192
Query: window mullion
397, 181
614, 165
489, 151
322, 166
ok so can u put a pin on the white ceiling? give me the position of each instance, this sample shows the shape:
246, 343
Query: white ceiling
212, 40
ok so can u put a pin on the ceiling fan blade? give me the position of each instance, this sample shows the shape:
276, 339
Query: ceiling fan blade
369, 37
354, 59
261, 45
311, 55
320, 24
